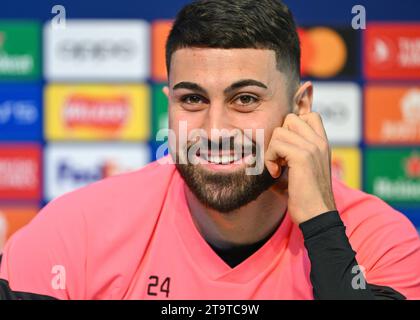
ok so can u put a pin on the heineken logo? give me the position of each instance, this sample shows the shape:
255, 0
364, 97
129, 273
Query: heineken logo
412, 166
394, 174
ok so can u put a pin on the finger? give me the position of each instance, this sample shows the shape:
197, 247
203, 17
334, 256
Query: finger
293, 138
303, 128
295, 123
315, 121
282, 182
275, 151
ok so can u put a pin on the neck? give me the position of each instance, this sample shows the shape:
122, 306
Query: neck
246, 225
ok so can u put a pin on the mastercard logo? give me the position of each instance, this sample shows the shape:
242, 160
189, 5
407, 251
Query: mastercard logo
324, 52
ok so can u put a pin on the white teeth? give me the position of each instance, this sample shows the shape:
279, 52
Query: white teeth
214, 159
224, 159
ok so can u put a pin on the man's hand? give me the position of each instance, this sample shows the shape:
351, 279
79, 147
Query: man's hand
301, 144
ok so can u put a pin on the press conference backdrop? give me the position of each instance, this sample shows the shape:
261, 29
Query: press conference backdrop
80, 94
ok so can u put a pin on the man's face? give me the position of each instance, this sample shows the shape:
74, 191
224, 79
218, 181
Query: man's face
238, 90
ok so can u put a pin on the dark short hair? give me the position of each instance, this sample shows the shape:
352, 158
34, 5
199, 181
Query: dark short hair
229, 24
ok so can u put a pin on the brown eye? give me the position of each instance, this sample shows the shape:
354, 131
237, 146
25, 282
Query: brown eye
192, 99
246, 100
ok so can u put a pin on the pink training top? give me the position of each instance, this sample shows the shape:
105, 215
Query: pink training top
132, 237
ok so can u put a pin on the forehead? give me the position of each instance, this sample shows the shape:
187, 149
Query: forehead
207, 64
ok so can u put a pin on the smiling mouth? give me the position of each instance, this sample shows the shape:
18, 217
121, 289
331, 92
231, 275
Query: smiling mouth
224, 158
220, 158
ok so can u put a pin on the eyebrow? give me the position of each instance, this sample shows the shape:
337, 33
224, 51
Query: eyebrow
234, 86
190, 86
244, 83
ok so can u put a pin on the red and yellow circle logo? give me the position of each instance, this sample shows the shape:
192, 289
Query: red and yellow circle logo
324, 52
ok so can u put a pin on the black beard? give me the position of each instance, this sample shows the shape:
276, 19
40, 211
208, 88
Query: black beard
224, 192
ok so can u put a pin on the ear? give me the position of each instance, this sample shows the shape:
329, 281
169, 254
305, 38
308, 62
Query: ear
302, 101
165, 91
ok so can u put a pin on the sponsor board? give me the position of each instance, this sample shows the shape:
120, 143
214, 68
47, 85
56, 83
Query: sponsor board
392, 114
12, 218
392, 51
160, 109
393, 175
97, 112
97, 50
20, 172
69, 166
339, 104
160, 32
20, 112
346, 166
20, 50
328, 52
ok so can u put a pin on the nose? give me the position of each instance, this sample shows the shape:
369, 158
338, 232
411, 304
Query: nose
217, 122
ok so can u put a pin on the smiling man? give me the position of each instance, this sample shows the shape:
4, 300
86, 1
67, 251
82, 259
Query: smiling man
199, 224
